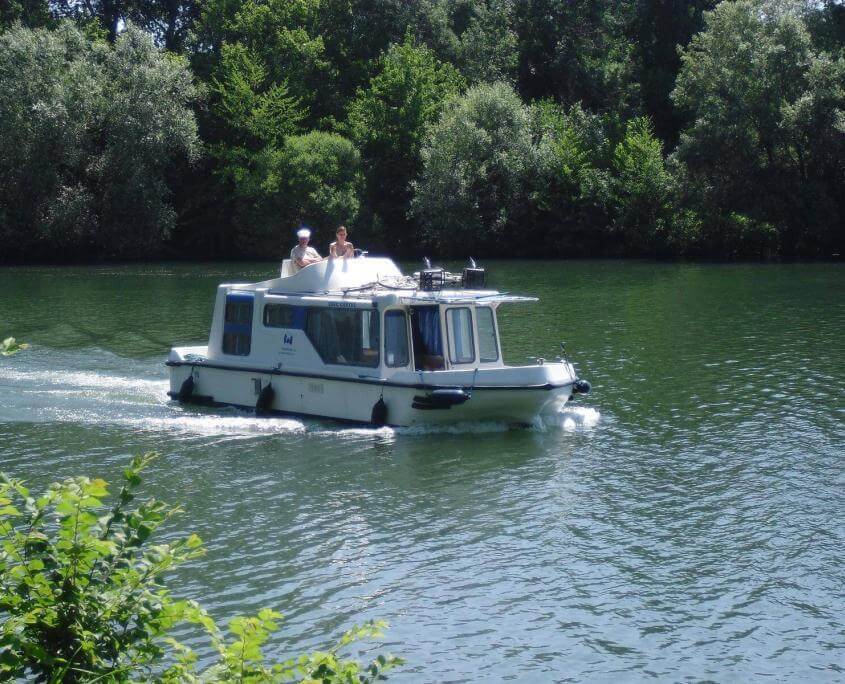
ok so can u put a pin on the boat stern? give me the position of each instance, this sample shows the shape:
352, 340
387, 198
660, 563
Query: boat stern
180, 364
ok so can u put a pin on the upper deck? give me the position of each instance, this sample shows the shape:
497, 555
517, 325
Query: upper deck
371, 278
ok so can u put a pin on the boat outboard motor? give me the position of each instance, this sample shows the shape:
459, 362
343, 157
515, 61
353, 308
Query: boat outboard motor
473, 277
265, 400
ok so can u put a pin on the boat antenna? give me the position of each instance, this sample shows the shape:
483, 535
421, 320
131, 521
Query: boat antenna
427, 262
472, 263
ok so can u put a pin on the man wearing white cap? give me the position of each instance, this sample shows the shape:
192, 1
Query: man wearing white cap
302, 255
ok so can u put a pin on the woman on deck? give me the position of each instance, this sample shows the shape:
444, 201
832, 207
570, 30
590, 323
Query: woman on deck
341, 248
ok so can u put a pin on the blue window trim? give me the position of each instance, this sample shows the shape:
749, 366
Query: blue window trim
244, 329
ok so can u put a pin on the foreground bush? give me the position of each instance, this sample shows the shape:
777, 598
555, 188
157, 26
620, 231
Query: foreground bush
11, 346
82, 597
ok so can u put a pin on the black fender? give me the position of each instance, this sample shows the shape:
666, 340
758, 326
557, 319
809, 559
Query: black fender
440, 399
187, 389
581, 387
265, 400
379, 414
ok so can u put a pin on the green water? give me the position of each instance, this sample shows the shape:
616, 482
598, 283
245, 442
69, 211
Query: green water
684, 522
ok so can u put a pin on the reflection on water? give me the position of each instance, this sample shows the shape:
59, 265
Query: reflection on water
684, 521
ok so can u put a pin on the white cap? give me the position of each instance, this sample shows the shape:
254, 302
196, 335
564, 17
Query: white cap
303, 233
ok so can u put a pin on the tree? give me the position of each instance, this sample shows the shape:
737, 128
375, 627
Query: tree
488, 50
658, 28
388, 122
170, 21
643, 194
315, 178
88, 135
356, 33
256, 111
766, 138
577, 51
573, 203
480, 167
109, 14
30, 13
282, 36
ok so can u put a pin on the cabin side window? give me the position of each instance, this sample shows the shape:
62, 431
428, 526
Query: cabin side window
348, 337
461, 343
396, 339
279, 316
488, 350
237, 325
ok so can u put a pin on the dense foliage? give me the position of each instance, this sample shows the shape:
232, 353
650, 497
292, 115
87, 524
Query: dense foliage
575, 128
88, 133
82, 597
766, 140
480, 166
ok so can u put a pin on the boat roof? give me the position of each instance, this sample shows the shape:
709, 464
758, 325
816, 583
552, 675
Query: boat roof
369, 278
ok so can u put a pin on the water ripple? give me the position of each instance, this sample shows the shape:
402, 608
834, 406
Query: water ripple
681, 523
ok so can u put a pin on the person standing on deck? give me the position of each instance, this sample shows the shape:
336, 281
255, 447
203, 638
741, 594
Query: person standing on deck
303, 255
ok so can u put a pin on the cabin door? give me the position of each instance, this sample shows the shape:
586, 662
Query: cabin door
427, 338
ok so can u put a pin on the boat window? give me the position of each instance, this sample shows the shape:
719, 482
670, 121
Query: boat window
237, 324
396, 339
459, 326
348, 337
488, 350
239, 310
279, 316
425, 334
236, 343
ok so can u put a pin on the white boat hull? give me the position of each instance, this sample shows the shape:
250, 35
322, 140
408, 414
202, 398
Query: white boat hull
548, 388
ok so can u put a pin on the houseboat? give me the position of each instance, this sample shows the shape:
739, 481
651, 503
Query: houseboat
354, 339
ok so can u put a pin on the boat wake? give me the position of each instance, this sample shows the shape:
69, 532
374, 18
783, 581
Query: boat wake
569, 419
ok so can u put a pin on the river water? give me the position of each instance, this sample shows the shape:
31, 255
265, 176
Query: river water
683, 522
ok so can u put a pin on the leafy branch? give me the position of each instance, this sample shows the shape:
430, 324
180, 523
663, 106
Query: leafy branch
82, 597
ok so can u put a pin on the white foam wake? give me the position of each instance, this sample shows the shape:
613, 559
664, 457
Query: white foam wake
569, 419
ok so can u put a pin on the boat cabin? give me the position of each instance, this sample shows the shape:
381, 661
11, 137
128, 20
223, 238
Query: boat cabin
355, 315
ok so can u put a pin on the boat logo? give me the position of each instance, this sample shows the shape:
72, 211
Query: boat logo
288, 339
